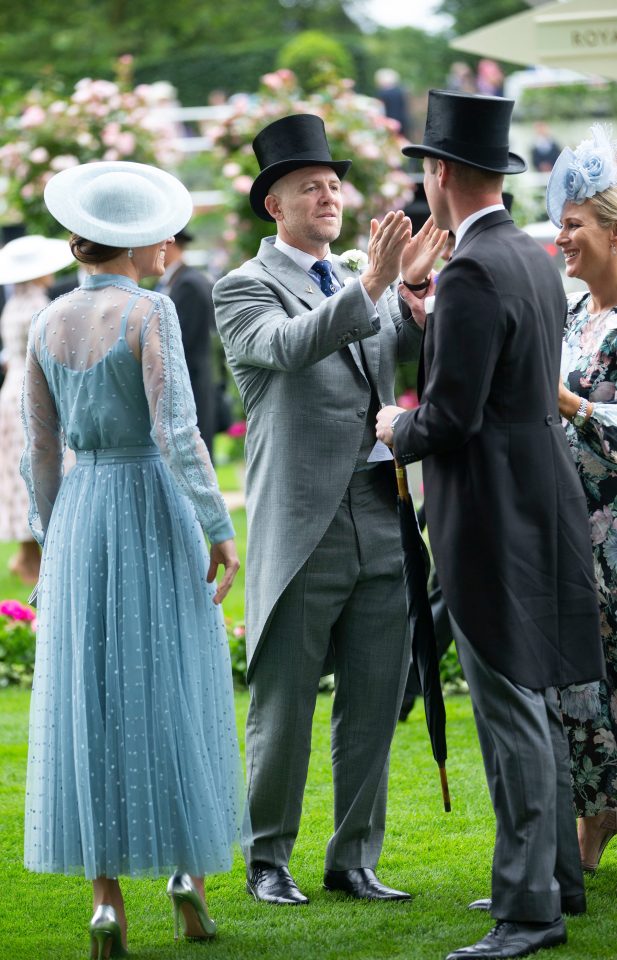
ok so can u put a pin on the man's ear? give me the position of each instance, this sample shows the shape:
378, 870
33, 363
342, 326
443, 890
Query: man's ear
443, 172
272, 205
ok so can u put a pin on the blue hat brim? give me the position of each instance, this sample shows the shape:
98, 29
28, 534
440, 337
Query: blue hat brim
556, 195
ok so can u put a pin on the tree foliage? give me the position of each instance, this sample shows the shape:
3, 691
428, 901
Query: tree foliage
469, 14
42, 39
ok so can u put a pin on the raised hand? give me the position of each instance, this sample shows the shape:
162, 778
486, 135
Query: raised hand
386, 245
422, 251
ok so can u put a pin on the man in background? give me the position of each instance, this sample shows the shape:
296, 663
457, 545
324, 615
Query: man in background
191, 292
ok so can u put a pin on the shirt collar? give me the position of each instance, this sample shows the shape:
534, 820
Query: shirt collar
471, 219
304, 260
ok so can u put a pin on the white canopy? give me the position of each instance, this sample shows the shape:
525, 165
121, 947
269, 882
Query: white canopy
578, 34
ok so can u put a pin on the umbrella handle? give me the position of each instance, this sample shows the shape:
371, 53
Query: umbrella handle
445, 790
401, 482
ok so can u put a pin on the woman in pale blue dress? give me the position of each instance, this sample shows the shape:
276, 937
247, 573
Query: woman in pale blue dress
133, 763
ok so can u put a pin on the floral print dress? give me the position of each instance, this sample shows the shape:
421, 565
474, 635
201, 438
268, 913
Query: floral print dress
589, 368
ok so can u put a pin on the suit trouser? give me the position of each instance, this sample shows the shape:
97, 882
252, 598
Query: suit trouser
526, 757
347, 601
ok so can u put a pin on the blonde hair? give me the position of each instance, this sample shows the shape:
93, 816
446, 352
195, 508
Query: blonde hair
605, 207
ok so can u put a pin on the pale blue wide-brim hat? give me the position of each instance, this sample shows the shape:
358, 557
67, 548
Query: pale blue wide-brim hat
31, 257
119, 203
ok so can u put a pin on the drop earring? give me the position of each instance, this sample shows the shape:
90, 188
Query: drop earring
613, 249
130, 253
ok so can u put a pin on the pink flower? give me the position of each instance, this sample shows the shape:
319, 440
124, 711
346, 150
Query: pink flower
239, 631
408, 400
231, 170
237, 429
601, 522
63, 161
32, 116
39, 155
126, 143
16, 610
243, 184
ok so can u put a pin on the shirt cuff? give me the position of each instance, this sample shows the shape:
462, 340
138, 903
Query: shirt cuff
371, 310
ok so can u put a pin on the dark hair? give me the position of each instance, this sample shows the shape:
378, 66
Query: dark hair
87, 251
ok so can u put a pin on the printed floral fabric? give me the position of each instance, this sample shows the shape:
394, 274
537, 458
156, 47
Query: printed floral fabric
589, 368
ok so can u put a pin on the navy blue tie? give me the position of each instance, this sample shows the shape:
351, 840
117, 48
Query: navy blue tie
324, 269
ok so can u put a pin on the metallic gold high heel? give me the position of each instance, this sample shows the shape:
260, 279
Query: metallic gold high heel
182, 892
104, 926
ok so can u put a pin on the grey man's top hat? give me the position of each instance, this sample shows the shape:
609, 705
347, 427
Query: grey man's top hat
289, 144
469, 129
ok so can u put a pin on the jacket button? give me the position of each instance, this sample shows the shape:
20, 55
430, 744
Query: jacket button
362, 412
548, 419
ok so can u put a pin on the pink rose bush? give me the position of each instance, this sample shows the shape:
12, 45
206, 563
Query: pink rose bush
17, 642
357, 130
99, 121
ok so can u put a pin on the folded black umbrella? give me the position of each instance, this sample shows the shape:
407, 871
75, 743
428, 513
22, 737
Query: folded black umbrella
425, 662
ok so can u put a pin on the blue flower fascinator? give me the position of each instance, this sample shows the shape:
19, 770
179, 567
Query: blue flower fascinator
581, 173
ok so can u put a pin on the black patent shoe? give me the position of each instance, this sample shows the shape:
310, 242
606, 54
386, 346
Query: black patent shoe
274, 885
361, 883
507, 940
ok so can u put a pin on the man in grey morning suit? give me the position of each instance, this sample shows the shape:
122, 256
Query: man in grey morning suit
506, 514
313, 350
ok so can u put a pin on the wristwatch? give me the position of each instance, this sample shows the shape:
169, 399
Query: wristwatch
394, 422
580, 417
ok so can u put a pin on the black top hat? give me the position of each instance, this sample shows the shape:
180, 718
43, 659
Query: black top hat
469, 129
183, 236
290, 144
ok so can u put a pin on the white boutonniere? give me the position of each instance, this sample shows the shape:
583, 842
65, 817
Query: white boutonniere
355, 260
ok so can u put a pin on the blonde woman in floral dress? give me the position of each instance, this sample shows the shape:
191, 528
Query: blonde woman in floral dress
582, 200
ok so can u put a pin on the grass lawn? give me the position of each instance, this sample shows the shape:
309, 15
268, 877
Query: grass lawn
443, 859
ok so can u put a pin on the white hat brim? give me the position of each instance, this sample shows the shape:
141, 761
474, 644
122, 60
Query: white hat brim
65, 192
31, 257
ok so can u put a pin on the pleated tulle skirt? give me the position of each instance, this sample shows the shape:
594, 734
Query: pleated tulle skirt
133, 763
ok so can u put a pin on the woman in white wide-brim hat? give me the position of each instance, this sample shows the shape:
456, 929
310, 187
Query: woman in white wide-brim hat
28, 263
133, 765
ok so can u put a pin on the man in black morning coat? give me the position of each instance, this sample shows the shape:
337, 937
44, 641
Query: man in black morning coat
506, 513
191, 292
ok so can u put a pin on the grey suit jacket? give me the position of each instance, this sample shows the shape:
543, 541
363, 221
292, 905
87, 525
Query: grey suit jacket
292, 353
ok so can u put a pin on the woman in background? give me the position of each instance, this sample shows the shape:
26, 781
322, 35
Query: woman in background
582, 201
28, 263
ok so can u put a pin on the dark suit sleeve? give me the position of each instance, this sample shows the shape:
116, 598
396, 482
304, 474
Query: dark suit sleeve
462, 347
194, 306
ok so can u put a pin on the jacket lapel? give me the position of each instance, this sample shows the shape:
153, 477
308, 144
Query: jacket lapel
289, 275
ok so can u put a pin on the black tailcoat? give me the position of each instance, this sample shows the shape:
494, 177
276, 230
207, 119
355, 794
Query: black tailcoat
505, 508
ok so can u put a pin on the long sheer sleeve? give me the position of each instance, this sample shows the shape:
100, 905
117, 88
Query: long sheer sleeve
41, 462
174, 420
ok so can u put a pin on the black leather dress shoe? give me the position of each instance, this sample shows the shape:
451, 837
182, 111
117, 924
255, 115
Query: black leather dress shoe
274, 885
572, 905
509, 939
362, 884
